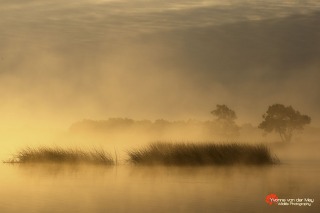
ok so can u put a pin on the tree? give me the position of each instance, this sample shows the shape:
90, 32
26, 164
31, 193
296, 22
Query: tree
283, 120
222, 112
226, 119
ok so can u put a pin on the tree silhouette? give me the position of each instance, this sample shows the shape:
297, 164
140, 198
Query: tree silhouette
226, 119
283, 120
222, 112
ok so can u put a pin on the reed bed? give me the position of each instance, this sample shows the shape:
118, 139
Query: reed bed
191, 154
60, 155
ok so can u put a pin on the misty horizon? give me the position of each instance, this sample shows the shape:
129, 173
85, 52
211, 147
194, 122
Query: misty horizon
67, 61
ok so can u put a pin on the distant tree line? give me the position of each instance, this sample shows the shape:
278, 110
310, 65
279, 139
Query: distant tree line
159, 127
283, 120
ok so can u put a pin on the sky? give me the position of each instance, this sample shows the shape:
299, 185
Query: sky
64, 61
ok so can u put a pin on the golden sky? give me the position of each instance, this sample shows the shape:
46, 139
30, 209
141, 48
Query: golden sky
62, 61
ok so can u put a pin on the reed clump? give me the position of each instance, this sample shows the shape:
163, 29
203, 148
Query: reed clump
192, 154
61, 155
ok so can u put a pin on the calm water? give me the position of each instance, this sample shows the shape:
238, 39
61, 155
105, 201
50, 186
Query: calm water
54, 188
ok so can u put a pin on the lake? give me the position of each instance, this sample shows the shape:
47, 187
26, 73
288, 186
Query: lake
66, 188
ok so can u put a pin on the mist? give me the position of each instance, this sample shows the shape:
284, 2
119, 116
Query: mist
62, 62
112, 105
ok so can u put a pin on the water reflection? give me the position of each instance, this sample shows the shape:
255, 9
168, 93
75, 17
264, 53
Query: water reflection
55, 188
62, 170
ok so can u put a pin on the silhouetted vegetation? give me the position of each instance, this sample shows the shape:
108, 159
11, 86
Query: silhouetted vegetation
160, 128
226, 120
283, 120
123, 124
222, 112
201, 154
60, 155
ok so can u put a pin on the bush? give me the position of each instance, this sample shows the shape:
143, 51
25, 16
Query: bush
201, 154
60, 155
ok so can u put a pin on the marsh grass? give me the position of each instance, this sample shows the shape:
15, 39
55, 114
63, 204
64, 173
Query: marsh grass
60, 155
191, 154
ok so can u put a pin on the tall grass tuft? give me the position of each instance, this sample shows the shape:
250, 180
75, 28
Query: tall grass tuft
60, 155
201, 154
